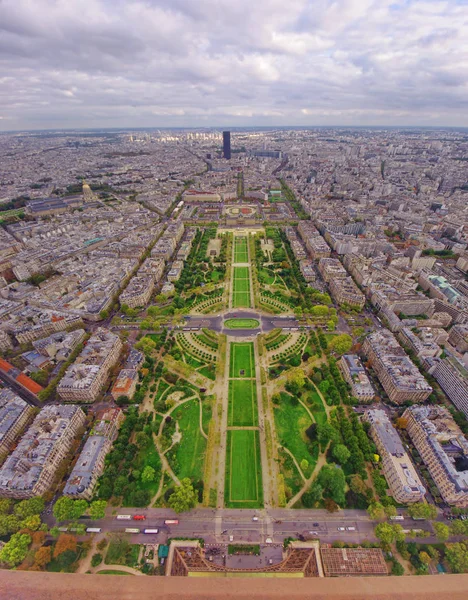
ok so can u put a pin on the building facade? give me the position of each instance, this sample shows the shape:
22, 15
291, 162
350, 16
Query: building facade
30, 470
443, 448
398, 469
398, 375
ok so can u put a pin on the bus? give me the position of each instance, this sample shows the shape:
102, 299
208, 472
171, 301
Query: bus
124, 517
93, 530
397, 518
171, 522
139, 517
132, 530
151, 531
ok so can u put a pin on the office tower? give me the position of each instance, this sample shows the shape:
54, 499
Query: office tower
227, 145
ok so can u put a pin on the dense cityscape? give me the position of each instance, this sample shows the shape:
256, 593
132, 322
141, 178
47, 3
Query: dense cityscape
229, 352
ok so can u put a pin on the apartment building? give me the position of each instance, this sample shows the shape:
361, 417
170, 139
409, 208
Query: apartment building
443, 448
90, 463
331, 268
398, 469
5, 341
200, 196
307, 269
345, 291
396, 372
421, 347
125, 384
175, 271
458, 337
84, 379
138, 291
317, 247
60, 345
15, 414
452, 376
31, 468
153, 267
355, 375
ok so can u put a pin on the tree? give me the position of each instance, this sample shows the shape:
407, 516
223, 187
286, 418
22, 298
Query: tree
184, 496
311, 432
148, 474
425, 558
146, 345
457, 557
312, 496
422, 510
441, 530
67, 509
341, 344
9, 524
397, 568
96, 560
296, 376
43, 556
5, 505
304, 464
401, 423
30, 507
65, 543
390, 510
388, 534
326, 433
319, 310
14, 551
333, 481
358, 485
341, 453
33, 523
376, 511
97, 509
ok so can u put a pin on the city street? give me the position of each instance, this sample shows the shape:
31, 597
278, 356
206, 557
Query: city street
217, 526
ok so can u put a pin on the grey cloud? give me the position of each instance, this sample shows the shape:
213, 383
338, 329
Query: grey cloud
181, 62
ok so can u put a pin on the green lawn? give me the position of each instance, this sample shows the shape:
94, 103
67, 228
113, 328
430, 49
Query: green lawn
190, 451
291, 424
111, 572
317, 408
241, 253
241, 288
242, 403
242, 359
243, 472
241, 300
242, 323
266, 276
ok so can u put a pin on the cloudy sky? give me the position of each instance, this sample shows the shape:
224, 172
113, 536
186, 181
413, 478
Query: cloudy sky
137, 63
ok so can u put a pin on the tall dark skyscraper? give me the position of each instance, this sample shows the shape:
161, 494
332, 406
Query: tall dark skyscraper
227, 144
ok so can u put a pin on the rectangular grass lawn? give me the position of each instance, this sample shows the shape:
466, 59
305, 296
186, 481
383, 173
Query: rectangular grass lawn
242, 403
241, 288
243, 472
240, 250
242, 360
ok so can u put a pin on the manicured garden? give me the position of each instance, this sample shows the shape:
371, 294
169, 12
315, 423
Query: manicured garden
242, 403
242, 360
241, 323
241, 253
243, 483
241, 287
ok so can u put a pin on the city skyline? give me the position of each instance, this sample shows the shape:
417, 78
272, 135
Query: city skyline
346, 63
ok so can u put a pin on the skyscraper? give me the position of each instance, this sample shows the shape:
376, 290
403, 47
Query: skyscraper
227, 144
